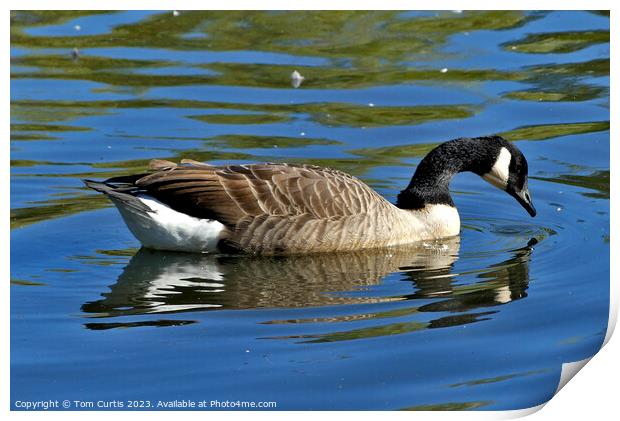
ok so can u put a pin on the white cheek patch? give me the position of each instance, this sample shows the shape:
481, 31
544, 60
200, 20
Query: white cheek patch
498, 176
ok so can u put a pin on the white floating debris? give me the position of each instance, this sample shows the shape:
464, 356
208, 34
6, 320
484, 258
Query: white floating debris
247, 350
296, 79
77, 27
175, 13
458, 12
514, 47
370, 104
302, 133
444, 70
559, 209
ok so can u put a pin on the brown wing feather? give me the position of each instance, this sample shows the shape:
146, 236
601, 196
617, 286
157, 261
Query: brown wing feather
235, 193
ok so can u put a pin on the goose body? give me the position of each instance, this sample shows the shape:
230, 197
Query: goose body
296, 209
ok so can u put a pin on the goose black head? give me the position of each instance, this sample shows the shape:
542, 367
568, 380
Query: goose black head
506, 168
491, 157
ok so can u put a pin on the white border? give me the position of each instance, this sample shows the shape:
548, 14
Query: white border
594, 394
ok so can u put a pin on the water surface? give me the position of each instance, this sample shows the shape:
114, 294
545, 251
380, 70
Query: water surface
483, 321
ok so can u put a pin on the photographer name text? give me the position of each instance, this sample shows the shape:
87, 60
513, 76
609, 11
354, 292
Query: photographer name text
141, 404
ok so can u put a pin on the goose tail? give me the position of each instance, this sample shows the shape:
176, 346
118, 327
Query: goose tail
119, 194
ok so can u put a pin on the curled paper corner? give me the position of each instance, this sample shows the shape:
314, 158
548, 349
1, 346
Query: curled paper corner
613, 314
510, 414
568, 372
519, 413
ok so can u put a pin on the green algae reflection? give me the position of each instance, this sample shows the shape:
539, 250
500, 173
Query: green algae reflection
369, 37
558, 42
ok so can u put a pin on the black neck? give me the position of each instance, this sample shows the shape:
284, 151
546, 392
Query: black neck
430, 184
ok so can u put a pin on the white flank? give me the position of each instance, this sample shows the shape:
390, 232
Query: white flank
167, 229
498, 176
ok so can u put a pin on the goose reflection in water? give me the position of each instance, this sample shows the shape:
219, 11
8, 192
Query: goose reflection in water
168, 282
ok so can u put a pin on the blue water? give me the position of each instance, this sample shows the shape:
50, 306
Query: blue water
479, 322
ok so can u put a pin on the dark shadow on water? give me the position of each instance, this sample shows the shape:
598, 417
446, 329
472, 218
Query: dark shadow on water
498, 284
156, 282
160, 282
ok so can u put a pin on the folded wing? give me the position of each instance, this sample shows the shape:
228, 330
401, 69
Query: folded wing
242, 192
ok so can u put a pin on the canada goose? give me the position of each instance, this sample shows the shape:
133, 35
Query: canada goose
293, 209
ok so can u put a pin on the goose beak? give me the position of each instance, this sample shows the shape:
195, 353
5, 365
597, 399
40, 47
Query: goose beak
524, 198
